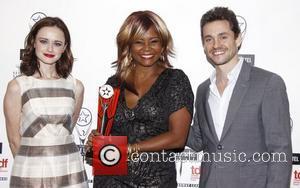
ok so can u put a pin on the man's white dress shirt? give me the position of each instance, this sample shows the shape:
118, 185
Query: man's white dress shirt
219, 103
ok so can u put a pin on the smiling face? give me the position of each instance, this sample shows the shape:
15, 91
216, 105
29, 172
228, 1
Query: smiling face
49, 45
147, 49
219, 43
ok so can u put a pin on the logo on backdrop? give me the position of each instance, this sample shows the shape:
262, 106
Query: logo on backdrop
3, 178
186, 155
296, 177
0, 147
83, 126
16, 72
3, 164
243, 25
195, 172
249, 58
296, 172
296, 159
85, 117
36, 17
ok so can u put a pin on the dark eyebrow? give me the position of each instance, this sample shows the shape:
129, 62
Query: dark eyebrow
207, 36
58, 41
43, 38
220, 34
154, 38
223, 33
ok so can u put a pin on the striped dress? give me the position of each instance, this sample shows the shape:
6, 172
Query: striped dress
48, 156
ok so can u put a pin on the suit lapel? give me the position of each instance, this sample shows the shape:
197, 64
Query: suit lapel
238, 94
208, 116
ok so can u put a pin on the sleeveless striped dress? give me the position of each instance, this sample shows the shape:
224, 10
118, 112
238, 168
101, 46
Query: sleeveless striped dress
48, 156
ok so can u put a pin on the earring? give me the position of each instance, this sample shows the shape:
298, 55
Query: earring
129, 58
162, 58
130, 61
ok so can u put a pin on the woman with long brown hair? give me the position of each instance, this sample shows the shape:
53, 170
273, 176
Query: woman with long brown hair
41, 108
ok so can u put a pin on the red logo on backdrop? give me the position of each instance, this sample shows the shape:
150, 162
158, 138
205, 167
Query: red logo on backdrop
110, 155
296, 178
196, 170
3, 165
195, 175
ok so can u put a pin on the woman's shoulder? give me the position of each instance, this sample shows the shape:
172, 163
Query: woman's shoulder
13, 85
22, 79
175, 74
175, 79
77, 84
175, 71
113, 80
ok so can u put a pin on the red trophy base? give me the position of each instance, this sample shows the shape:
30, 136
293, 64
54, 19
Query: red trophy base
110, 155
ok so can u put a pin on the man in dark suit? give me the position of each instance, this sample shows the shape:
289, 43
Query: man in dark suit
242, 120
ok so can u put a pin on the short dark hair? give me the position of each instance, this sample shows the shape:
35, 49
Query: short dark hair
221, 13
30, 64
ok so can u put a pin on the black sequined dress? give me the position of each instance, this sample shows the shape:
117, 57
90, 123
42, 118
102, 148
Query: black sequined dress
149, 118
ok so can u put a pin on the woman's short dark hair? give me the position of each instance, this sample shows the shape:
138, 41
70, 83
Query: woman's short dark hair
30, 64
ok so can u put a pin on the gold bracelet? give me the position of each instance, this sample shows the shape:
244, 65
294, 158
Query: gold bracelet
129, 150
133, 149
136, 148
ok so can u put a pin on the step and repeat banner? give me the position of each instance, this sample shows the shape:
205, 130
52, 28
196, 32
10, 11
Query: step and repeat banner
270, 40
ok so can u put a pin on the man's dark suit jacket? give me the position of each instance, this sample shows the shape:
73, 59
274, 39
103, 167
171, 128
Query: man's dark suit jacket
257, 122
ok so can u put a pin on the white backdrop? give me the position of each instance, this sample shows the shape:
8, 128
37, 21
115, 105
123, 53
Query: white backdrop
272, 35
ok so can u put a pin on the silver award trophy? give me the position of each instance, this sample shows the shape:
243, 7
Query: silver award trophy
106, 93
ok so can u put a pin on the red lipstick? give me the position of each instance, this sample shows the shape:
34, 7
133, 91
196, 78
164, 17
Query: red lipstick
49, 55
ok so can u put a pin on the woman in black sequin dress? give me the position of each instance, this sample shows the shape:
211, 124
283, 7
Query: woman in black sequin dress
155, 106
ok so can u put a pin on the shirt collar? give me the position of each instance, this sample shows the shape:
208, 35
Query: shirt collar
232, 75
